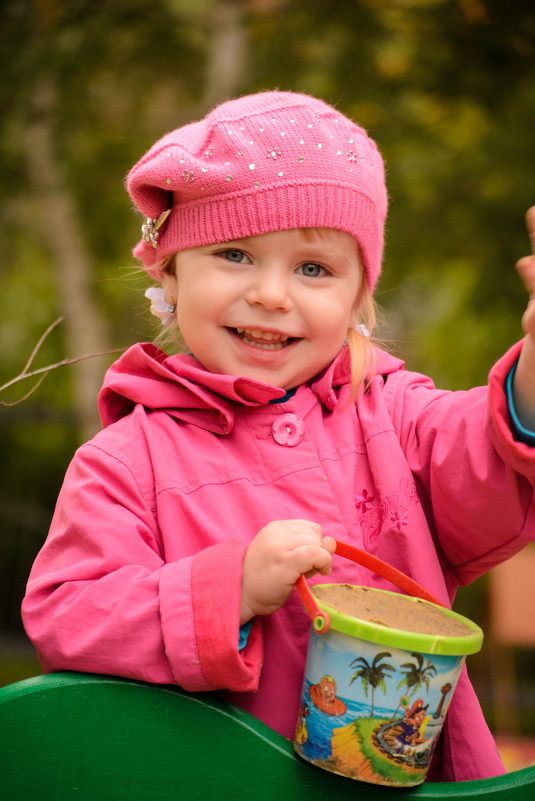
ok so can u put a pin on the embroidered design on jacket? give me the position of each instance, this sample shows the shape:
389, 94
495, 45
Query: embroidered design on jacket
364, 501
393, 507
399, 519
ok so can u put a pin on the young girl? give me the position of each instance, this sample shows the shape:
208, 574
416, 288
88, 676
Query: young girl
221, 476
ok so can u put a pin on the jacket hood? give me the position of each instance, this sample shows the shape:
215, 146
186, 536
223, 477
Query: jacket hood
183, 388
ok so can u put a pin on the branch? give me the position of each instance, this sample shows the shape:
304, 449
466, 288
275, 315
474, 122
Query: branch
24, 397
37, 347
43, 371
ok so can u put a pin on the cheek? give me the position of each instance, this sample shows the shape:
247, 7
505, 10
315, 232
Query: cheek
339, 311
186, 320
191, 300
332, 329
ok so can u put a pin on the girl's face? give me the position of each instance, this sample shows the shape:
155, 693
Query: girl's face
274, 307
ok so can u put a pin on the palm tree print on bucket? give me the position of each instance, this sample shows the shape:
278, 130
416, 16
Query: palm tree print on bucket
372, 675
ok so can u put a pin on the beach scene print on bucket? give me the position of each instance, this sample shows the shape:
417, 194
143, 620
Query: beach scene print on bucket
373, 710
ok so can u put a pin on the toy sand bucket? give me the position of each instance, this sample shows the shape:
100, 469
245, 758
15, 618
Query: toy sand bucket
380, 673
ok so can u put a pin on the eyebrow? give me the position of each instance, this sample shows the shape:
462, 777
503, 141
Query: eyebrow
230, 242
331, 254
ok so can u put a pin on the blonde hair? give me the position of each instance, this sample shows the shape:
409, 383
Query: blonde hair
362, 353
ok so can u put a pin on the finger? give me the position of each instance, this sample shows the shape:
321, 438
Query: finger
302, 532
304, 525
329, 543
310, 560
526, 270
290, 534
530, 224
326, 569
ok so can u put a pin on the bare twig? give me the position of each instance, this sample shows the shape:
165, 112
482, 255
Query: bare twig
43, 371
24, 397
38, 346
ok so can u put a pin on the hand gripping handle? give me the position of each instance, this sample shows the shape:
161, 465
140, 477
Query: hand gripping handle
320, 618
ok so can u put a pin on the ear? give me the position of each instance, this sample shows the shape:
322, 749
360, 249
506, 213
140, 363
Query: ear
170, 287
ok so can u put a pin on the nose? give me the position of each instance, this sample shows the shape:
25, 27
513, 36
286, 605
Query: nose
270, 287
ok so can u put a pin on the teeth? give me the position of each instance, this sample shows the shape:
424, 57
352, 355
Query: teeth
263, 339
267, 336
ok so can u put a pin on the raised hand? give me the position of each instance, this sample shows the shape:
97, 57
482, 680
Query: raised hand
524, 382
526, 269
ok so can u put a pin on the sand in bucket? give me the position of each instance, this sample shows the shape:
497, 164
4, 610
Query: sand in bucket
378, 683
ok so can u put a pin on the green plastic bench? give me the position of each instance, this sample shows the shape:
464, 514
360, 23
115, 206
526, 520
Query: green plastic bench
85, 737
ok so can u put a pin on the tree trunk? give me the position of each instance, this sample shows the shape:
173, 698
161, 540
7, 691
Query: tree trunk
61, 231
227, 52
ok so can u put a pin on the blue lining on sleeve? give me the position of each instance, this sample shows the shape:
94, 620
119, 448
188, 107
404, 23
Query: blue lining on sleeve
520, 433
244, 634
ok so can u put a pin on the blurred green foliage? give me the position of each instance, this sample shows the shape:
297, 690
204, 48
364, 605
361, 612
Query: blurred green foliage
446, 87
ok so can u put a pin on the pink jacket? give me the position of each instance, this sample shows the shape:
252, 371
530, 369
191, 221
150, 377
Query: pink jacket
140, 575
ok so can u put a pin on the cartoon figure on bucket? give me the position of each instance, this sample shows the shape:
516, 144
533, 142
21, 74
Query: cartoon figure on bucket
324, 697
410, 727
301, 732
222, 474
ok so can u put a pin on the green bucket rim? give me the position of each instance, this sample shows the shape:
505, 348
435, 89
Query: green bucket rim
400, 638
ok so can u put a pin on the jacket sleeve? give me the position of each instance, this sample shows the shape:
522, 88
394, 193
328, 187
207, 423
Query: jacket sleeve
102, 598
477, 480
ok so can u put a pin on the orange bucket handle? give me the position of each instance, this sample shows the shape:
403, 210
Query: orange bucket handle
320, 618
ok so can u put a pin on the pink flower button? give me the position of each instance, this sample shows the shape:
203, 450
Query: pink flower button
288, 430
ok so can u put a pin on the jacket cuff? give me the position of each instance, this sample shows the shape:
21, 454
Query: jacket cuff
516, 454
216, 592
521, 434
178, 630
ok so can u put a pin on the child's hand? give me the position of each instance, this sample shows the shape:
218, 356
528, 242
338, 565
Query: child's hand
275, 559
524, 380
526, 269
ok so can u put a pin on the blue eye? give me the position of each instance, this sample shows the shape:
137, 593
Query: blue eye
234, 255
312, 270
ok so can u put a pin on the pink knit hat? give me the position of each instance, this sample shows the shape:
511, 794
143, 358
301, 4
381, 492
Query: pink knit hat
261, 163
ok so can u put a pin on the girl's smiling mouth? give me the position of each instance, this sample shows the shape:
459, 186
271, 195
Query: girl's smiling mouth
266, 340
